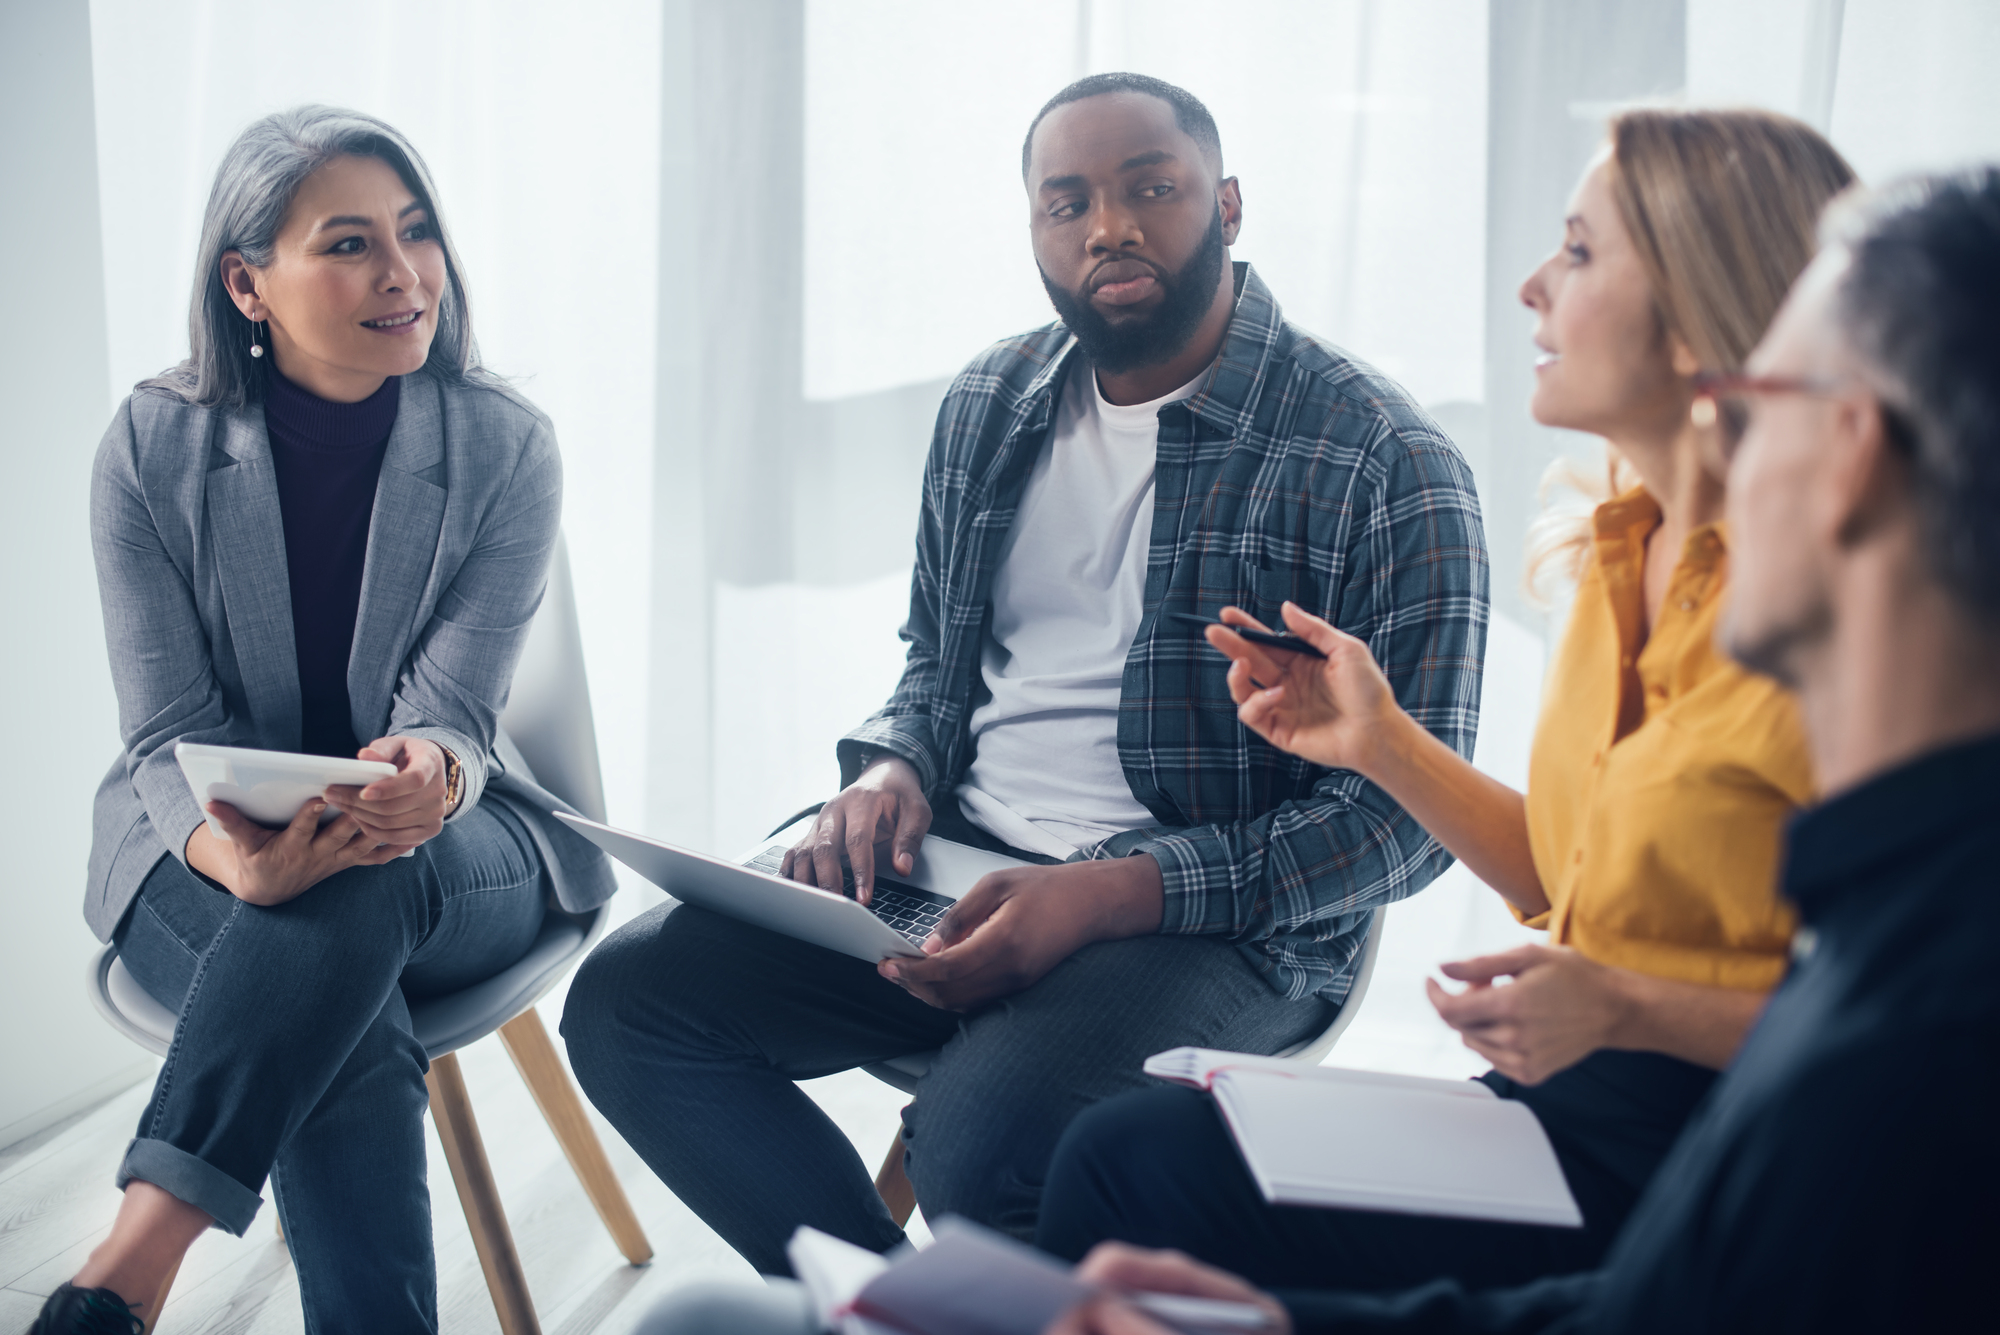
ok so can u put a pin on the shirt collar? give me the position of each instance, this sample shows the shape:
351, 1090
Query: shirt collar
1888, 818
1228, 398
1624, 515
1630, 515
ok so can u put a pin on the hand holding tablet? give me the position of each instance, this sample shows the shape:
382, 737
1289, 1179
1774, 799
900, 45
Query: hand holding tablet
407, 808
405, 804
270, 831
269, 787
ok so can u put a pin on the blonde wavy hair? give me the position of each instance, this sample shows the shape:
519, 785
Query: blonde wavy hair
1722, 207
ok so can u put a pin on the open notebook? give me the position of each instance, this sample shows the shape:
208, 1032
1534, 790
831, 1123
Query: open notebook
972, 1281
1368, 1140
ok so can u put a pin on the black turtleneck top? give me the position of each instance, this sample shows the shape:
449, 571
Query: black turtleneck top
328, 457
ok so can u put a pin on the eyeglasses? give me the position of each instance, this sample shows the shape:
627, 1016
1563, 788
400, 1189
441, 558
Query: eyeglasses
1724, 400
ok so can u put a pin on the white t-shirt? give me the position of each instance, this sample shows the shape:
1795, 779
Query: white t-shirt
1067, 600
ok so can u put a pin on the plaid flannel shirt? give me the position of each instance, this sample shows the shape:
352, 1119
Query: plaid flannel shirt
1294, 472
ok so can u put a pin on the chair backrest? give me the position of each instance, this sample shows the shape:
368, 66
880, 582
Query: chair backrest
548, 718
126, 1006
1315, 1050
548, 711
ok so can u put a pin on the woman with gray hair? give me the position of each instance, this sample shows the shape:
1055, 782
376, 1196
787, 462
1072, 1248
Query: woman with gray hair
326, 531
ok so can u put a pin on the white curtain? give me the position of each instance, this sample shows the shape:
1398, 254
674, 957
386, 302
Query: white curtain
1358, 130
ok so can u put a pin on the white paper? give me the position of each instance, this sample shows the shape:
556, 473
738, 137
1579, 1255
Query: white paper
833, 1271
1198, 1067
969, 1281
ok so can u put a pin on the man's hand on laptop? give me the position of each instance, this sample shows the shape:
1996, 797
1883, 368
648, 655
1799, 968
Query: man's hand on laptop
886, 803
1016, 925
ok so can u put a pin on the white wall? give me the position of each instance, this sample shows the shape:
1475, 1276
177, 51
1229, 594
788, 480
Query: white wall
62, 730
1898, 87
1916, 89
1777, 54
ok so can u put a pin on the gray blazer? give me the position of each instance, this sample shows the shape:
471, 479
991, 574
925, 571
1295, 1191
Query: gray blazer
190, 553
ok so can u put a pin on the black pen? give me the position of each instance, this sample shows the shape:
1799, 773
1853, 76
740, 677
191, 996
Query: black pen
1268, 639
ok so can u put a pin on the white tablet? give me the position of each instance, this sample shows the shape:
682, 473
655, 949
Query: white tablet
268, 786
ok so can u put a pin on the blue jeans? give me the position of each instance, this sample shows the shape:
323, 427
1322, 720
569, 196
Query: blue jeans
687, 1029
294, 1058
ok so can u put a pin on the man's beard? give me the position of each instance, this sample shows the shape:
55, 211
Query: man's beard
1159, 336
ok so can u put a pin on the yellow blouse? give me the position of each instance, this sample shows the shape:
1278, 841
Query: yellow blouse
1660, 780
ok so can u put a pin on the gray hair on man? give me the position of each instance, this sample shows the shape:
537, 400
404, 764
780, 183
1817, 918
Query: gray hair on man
1918, 307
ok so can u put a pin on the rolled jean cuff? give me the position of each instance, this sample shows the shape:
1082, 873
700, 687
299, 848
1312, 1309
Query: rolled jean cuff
204, 1186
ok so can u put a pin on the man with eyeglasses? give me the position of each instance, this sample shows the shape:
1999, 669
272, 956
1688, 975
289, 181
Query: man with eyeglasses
1170, 446
1842, 1175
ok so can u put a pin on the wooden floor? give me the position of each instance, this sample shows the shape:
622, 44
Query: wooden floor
56, 1201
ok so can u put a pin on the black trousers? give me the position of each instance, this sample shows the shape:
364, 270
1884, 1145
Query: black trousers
1158, 1168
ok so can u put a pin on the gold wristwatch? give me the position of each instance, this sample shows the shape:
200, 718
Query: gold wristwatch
454, 780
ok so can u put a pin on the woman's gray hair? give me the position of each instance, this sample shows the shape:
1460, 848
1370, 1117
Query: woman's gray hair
254, 188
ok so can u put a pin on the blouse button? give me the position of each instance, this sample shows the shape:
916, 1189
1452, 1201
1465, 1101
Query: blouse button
1687, 605
1579, 857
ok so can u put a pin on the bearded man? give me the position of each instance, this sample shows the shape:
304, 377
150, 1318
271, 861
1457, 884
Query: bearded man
1171, 445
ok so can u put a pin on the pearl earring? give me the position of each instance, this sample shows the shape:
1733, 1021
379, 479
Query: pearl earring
256, 348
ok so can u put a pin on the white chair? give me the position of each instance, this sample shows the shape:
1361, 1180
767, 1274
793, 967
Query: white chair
904, 1072
548, 717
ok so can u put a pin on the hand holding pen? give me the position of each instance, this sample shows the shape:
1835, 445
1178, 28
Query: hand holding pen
1161, 1292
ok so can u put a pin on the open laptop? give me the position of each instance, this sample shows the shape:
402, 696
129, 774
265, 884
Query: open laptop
902, 914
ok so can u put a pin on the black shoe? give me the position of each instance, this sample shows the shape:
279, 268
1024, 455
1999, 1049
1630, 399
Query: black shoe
74, 1311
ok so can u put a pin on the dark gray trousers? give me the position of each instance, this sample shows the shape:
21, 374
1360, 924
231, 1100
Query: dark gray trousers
687, 1029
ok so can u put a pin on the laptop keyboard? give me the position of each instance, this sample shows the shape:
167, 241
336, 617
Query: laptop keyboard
913, 913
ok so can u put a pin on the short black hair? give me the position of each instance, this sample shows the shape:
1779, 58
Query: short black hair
1189, 114
1917, 306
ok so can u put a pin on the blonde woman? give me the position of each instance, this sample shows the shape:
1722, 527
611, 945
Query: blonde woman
1662, 774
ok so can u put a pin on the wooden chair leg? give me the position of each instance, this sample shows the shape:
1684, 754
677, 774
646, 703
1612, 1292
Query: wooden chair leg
451, 1110
152, 1318
892, 1184
527, 1042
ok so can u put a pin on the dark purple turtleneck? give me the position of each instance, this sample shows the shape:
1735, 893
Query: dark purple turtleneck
328, 457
